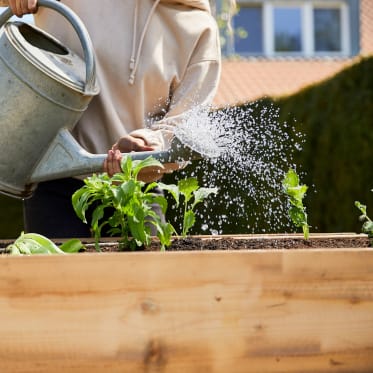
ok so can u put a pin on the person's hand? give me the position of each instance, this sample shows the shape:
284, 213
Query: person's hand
127, 144
21, 7
112, 162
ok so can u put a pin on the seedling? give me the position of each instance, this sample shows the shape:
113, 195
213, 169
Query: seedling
34, 243
367, 222
296, 193
192, 195
123, 204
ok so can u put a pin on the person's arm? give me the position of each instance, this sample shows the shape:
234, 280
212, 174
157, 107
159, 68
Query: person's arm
197, 88
21, 7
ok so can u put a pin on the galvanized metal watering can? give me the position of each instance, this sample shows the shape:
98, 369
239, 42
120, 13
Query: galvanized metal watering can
44, 90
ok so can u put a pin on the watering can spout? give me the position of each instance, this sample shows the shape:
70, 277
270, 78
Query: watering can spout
66, 158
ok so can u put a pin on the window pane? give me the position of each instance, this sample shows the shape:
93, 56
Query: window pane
327, 24
288, 30
248, 28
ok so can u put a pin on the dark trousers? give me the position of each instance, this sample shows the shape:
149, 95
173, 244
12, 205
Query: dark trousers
50, 212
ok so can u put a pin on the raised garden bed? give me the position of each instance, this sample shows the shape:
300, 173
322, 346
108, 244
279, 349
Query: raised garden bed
274, 309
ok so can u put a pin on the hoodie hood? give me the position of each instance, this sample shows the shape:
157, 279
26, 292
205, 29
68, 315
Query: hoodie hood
136, 50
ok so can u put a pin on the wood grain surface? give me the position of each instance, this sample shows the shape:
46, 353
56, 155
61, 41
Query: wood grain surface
245, 311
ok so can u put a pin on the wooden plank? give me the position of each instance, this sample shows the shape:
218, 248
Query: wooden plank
245, 311
4, 3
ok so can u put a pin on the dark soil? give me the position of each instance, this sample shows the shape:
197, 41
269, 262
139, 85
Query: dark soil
244, 242
252, 243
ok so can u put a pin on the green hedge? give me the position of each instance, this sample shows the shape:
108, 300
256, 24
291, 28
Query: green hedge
336, 117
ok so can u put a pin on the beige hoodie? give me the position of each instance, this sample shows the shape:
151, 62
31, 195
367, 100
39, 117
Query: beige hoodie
175, 65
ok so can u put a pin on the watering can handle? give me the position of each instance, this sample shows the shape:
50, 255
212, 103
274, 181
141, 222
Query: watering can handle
79, 28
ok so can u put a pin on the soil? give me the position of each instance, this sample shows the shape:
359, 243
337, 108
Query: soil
253, 243
239, 242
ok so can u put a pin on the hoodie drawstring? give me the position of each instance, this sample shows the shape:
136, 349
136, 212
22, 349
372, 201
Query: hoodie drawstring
135, 56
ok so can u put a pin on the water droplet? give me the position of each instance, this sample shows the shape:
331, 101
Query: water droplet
256, 150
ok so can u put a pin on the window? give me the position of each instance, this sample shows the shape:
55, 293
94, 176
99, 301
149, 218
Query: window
307, 28
327, 30
249, 19
287, 29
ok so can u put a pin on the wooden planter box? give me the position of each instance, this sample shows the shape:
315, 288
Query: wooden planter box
306, 310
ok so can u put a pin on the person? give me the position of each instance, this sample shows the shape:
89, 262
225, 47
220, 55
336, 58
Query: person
155, 61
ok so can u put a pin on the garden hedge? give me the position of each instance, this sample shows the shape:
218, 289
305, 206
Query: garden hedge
337, 119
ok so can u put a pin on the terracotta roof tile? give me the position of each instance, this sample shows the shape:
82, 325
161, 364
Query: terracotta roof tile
243, 81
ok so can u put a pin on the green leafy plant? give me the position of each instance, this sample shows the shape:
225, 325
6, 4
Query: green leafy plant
367, 222
124, 204
128, 203
192, 194
34, 243
296, 193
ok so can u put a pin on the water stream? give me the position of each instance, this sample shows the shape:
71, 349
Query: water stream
256, 150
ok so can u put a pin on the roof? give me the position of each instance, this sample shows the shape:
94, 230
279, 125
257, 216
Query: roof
245, 80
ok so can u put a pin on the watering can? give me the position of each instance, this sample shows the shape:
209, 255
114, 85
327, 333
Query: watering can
44, 90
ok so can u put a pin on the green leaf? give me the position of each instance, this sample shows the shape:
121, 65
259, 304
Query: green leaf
13, 250
368, 227
187, 187
172, 189
150, 186
42, 241
291, 179
306, 231
297, 192
137, 227
189, 220
165, 232
298, 216
33, 243
125, 192
148, 162
126, 165
161, 201
72, 246
79, 202
361, 207
202, 193
97, 215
